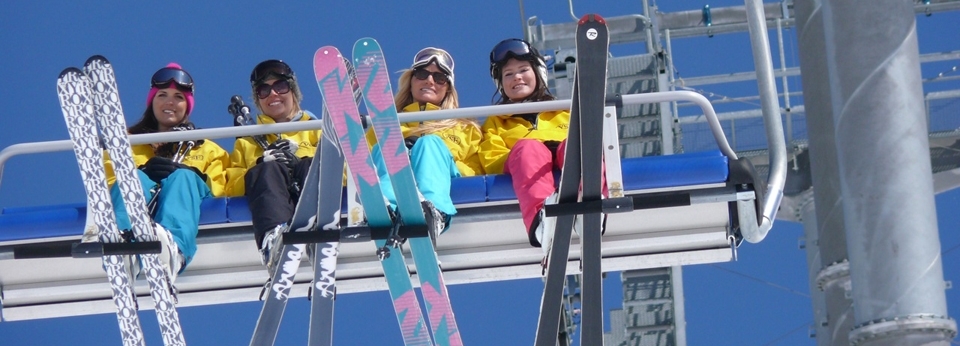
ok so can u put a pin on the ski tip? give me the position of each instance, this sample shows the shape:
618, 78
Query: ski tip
327, 51
96, 57
366, 42
69, 70
592, 17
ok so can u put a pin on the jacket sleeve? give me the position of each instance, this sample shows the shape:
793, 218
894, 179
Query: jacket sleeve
493, 148
240, 160
469, 160
108, 169
216, 166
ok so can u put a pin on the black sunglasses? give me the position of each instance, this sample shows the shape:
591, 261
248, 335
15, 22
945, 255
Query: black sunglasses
281, 86
438, 77
266, 68
167, 75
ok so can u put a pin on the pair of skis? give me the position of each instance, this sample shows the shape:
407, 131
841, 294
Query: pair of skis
372, 76
318, 209
91, 108
583, 159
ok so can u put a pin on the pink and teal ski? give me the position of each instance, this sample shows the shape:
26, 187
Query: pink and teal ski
374, 79
335, 86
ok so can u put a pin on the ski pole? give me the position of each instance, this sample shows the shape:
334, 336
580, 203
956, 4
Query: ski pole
241, 114
241, 117
183, 147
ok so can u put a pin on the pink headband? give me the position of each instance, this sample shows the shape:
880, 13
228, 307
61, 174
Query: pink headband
186, 94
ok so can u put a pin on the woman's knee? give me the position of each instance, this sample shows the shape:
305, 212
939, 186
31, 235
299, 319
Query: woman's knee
528, 152
429, 142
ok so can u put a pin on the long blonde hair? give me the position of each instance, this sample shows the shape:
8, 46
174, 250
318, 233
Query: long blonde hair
404, 97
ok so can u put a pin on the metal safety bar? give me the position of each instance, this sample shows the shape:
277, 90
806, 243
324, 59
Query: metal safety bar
472, 112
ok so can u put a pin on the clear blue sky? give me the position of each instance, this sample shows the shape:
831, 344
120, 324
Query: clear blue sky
760, 299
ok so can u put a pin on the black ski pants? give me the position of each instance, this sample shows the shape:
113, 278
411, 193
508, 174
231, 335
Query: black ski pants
269, 192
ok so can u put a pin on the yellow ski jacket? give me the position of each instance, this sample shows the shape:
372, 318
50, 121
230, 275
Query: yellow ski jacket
246, 152
501, 132
208, 157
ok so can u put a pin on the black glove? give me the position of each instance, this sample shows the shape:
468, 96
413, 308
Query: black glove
159, 168
410, 141
282, 151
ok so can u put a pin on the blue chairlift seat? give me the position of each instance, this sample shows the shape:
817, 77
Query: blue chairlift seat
20, 224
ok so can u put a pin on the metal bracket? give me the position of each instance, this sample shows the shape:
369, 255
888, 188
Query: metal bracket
937, 327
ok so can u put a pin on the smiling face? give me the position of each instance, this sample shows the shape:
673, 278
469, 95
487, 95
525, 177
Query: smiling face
428, 90
170, 108
519, 79
281, 107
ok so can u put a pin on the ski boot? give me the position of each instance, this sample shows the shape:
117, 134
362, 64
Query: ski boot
436, 220
270, 248
170, 257
545, 227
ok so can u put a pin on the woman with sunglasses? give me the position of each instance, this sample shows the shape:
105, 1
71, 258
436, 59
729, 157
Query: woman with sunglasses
526, 146
180, 174
440, 150
270, 176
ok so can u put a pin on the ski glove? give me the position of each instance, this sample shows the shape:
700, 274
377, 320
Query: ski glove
159, 168
282, 151
285, 145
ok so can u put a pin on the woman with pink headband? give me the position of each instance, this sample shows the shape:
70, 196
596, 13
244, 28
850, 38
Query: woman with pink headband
176, 177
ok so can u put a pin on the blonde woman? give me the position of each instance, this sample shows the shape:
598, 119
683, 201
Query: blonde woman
440, 150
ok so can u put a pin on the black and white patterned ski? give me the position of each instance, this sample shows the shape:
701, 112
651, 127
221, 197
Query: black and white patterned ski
318, 209
582, 158
324, 287
110, 119
283, 273
73, 90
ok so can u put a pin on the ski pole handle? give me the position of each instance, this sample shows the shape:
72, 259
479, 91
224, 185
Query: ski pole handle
237, 102
183, 147
241, 117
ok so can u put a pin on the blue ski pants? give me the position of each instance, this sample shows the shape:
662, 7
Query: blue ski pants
178, 207
433, 169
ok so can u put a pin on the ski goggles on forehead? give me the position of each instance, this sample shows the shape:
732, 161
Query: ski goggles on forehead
266, 68
281, 86
510, 47
430, 54
168, 75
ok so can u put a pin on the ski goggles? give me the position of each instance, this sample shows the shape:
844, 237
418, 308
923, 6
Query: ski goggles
270, 67
281, 86
511, 47
430, 54
167, 75
438, 77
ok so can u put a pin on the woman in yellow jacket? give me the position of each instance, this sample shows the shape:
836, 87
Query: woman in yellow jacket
440, 150
180, 185
526, 146
270, 177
